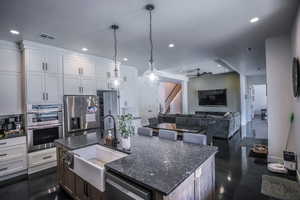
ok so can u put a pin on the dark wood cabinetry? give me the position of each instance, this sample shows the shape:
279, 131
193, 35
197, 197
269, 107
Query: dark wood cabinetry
78, 188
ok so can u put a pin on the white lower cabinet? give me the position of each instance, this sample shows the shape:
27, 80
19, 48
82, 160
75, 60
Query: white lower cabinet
41, 160
13, 157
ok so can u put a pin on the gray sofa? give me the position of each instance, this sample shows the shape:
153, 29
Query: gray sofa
217, 124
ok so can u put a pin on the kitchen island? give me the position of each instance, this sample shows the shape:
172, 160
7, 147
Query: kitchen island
168, 170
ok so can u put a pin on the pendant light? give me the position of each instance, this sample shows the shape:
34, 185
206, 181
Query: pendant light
116, 75
151, 73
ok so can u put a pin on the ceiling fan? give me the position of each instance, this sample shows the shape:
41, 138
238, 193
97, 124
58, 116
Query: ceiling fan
191, 73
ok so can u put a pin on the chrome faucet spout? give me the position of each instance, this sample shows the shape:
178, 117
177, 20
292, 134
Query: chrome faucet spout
115, 140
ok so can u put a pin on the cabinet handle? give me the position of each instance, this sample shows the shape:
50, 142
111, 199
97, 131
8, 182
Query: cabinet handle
47, 157
43, 96
4, 154
79, 71
46, 65
79, 88
43, 66
46, 95
82, 89
3, 169
3, 143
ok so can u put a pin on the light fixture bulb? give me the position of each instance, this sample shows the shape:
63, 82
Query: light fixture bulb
14, 32
254, 19
116, 83
84, 49
171, 45
152, 76
125, 59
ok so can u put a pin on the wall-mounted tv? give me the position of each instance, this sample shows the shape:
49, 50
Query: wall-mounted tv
212, 97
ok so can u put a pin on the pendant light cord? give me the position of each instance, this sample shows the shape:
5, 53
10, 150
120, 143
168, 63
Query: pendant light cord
116, 50
151, 41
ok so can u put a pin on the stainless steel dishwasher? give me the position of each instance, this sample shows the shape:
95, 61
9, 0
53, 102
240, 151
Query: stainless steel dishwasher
118, 188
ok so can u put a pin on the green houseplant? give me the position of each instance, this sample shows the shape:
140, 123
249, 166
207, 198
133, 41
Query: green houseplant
126, 129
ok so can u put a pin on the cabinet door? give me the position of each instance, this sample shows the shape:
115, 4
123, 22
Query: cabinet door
52, 88
95, 194
68, 180
71, 65
82, 189
36, 59
54, 62
35, 88
10, 60
87, 66
88, 86
72, 85
10, 91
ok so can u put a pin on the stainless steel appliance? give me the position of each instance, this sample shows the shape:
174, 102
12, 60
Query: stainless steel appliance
81, 113
44, 125
118, 188
108, 105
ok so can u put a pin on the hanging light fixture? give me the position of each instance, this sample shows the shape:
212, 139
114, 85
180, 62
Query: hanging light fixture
151, 73
116, 76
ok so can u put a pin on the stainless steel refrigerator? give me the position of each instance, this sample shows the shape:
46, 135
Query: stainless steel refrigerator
108, 104
81, 113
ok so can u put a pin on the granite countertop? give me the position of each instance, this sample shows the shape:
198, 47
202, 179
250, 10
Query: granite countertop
155, 163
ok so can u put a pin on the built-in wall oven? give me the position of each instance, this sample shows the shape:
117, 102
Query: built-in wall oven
44, 125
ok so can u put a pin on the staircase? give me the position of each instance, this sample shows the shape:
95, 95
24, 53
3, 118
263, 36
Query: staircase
171, 97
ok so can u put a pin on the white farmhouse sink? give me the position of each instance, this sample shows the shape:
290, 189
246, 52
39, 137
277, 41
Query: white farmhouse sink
89, 163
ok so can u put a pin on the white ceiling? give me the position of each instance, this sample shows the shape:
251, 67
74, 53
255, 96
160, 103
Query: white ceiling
200, 29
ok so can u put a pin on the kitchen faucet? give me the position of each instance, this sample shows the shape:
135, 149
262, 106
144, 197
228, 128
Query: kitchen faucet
115, 139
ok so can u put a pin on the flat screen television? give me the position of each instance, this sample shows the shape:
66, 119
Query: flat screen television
212, 97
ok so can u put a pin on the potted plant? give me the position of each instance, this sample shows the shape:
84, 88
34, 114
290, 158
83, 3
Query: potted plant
126, 130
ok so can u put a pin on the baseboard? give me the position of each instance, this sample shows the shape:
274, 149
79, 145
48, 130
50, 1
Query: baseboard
275, 159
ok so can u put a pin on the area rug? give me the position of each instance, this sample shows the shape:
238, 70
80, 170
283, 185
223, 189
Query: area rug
280, 188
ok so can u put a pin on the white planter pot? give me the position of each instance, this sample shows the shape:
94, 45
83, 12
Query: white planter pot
126, 143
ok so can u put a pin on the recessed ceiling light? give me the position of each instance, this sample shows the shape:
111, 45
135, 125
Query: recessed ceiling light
171, 45
14, 32
84, 49
254, 19
125, 59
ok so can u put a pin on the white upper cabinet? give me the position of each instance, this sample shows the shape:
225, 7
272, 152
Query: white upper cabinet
78, 65
10, 76
88, 86
72, 85
36, 60
71, 64
35, 88
10, 60
44, 60
52, 89
43, 74
10, 90
79, 74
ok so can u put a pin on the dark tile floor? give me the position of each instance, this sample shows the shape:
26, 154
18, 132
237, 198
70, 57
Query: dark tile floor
238, 177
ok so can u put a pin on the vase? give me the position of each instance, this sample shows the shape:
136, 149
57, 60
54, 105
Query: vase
126, 143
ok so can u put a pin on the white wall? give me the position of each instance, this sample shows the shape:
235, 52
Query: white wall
295, 41
279, 88
229, 81
260, 98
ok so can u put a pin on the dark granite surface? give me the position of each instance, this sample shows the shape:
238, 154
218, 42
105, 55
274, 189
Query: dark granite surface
156, 163
80, 141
